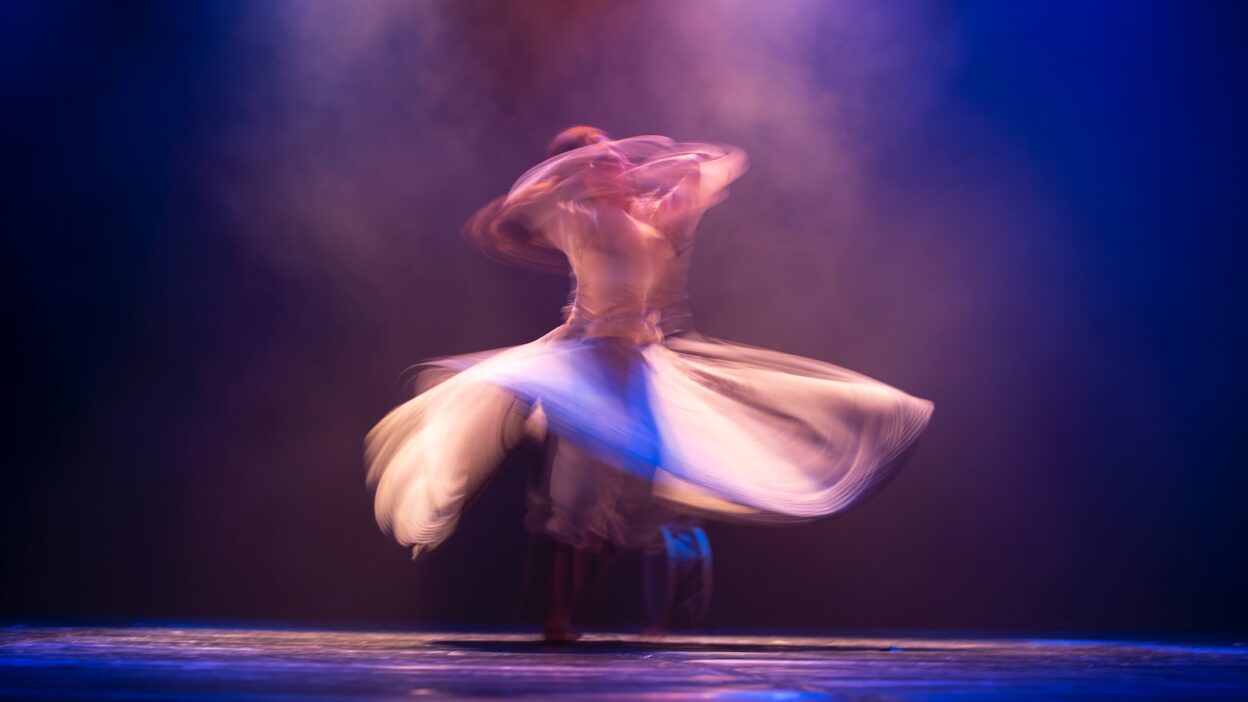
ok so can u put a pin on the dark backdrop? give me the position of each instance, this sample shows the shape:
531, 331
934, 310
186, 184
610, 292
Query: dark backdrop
229, 228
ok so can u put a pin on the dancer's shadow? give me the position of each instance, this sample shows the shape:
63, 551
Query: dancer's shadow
617, 646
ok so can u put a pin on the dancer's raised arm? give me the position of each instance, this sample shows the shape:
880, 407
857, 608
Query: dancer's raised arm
509, 229
690, 180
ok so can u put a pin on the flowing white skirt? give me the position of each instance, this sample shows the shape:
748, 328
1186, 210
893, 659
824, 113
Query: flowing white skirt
720, 429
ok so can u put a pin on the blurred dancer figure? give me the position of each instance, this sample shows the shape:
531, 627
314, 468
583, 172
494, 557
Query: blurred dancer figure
647, 419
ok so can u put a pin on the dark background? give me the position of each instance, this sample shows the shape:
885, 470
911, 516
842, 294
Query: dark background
230, 227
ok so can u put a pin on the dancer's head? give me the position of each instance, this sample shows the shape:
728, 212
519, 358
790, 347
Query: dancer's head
574, 138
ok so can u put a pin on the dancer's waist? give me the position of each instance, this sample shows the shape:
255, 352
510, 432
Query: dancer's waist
640, 323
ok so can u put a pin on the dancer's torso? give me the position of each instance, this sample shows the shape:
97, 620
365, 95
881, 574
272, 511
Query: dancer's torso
630, 277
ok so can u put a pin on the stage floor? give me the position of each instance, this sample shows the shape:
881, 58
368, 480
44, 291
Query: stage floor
263, 664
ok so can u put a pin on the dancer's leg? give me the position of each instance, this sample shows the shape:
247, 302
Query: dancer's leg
563, 590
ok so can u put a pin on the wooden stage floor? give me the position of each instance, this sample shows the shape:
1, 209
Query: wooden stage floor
194, 663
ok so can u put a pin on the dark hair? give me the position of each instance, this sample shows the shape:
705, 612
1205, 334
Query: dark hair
574, 138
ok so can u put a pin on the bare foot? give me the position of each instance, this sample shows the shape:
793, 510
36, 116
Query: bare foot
559, 633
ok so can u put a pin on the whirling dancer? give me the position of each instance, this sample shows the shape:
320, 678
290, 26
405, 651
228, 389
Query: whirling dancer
648, 419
